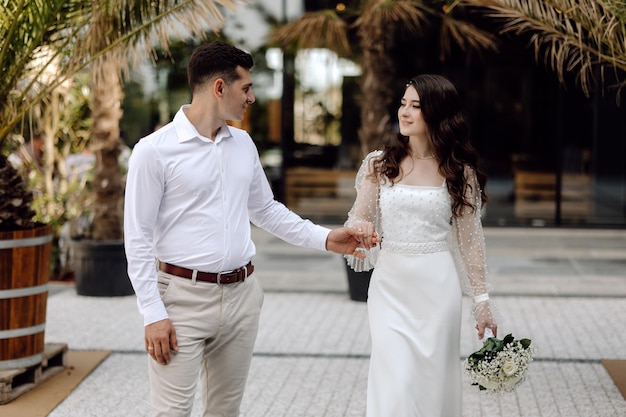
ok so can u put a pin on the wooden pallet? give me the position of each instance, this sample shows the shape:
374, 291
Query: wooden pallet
15, 382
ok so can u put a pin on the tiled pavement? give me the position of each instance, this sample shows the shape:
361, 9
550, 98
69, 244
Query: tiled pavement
565, 289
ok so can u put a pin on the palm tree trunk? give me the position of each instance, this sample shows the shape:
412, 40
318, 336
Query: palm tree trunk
106, 115
51, 122
378, 72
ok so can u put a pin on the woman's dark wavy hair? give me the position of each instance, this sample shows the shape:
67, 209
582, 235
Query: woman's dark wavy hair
449, 136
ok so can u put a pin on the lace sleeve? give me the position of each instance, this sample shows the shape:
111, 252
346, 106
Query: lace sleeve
468, 249
365, 210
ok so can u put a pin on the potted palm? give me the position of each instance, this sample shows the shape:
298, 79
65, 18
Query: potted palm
121, 35
25, 248
25, 245
371, 23
42, 46
70, 36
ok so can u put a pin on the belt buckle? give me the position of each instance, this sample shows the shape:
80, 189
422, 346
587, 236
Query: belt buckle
219, 275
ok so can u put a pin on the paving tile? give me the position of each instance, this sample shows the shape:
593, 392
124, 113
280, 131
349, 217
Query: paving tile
564, 289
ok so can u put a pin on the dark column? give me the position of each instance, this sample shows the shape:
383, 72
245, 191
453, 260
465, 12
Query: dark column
286, 114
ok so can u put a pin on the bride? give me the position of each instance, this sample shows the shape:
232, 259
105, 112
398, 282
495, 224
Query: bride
422, 194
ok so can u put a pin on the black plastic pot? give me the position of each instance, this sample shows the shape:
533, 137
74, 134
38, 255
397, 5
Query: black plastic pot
100, 268
358, 284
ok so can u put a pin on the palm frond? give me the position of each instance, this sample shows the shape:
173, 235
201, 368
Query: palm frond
380, 18
66, 35
322, 29
26, 26
30, 32
571, 36
456, 31
465, 35
138, 27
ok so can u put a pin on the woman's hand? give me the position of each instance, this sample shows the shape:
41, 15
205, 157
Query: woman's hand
369, 237
481, 329
484, 319
348, 241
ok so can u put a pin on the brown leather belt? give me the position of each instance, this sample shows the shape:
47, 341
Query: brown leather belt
228, 277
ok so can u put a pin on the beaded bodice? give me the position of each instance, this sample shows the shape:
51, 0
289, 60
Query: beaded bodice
415, 219
418, 220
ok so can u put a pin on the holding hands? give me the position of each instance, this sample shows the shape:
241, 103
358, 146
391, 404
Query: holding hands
352, 240
370, 238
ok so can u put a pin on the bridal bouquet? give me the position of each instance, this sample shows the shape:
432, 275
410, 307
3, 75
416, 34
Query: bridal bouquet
500, 365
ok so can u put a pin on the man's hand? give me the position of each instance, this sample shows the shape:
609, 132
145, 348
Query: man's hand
345, 240
160, 338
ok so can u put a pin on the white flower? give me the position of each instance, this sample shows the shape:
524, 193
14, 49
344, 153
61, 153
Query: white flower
489, 383
501, 365
509, 367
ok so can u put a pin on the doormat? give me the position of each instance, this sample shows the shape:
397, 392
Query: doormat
41, 400
617, 370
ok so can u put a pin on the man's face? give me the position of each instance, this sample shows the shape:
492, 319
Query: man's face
237, 96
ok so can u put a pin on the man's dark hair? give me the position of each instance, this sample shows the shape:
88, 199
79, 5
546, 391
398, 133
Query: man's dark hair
216, 60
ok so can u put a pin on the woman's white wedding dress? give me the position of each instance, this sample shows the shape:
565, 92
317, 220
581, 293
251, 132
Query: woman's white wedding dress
414, 307
427, 259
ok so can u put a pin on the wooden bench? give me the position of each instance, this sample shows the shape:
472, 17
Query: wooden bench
535, 194
320, 194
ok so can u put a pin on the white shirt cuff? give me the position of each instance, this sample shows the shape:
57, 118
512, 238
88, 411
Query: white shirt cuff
153, 313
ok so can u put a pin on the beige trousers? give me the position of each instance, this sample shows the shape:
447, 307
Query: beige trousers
216, 326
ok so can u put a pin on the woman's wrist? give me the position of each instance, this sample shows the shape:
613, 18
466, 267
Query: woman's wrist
481, 298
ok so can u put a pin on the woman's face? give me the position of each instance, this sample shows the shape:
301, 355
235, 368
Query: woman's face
410, 114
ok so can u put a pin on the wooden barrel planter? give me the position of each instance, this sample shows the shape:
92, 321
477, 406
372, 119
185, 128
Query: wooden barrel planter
24, 275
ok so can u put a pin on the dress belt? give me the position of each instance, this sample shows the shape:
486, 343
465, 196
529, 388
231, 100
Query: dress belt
227, 277
414, 248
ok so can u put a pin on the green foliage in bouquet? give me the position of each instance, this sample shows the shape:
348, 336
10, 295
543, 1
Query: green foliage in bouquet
493, 345
500, 365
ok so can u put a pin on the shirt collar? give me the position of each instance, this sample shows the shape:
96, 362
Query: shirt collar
186, 131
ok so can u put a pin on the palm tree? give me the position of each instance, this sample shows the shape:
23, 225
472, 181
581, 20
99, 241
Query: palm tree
45, 43
572, 36
377, 24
